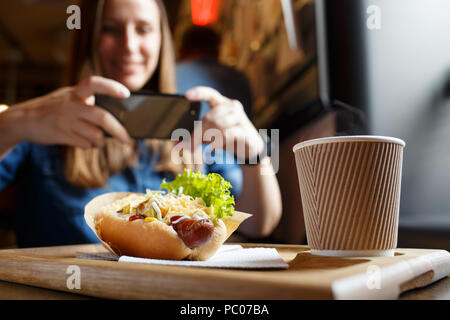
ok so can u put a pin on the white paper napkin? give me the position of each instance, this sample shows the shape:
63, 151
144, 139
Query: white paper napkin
228, 256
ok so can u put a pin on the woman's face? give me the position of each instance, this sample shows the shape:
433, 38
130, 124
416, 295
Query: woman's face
130, 41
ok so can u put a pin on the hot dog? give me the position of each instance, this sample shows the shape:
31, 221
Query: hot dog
182, 222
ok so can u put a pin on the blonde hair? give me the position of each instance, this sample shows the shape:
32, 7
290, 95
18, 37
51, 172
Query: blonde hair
91, 168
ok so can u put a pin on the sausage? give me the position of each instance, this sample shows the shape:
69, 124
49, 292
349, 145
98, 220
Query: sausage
194, 232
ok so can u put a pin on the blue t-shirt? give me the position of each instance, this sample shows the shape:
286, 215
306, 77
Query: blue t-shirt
50, 210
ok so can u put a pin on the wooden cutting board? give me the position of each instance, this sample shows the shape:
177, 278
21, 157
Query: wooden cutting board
308, 276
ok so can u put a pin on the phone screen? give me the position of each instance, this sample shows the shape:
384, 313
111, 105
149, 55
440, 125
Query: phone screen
149, 115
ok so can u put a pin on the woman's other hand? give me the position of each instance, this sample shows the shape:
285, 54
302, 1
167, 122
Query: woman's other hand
229, 117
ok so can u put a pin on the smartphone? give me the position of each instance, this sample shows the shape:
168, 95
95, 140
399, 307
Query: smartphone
148, 115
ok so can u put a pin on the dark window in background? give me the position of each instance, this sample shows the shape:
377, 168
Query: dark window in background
325, 79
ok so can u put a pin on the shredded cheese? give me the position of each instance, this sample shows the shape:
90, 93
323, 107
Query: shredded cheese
162, 206
157, 210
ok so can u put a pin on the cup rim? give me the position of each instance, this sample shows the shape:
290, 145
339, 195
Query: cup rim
337, 139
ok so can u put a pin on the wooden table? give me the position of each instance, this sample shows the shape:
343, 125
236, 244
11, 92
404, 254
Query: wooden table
25, 265
439, 290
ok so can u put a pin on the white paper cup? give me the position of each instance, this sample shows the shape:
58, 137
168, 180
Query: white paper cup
350, 190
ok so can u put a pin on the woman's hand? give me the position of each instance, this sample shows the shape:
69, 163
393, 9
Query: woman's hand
229, 117
68, 116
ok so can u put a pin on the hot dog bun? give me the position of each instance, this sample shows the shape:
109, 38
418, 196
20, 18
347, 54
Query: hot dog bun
155, 240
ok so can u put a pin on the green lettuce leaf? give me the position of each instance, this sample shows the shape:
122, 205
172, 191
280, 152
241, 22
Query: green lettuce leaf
212, 188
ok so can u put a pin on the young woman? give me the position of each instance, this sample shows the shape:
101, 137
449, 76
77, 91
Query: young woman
55, 146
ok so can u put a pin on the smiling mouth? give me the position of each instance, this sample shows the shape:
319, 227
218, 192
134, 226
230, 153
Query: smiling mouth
128, 68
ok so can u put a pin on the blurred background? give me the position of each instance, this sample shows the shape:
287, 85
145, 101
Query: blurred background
315, 68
